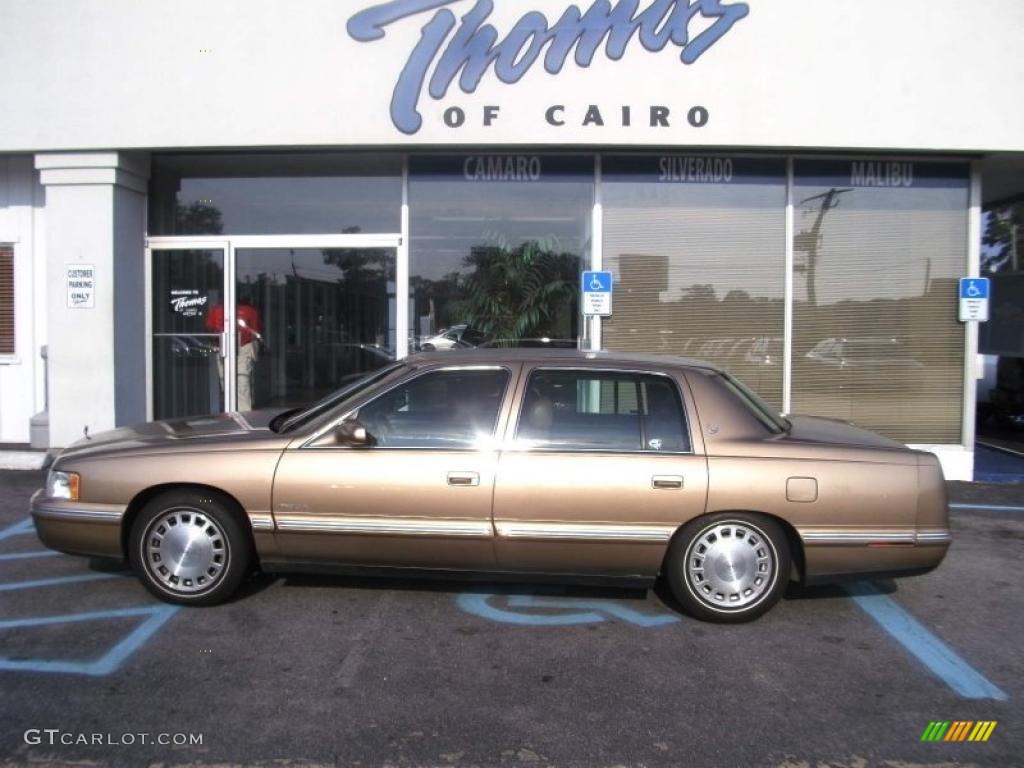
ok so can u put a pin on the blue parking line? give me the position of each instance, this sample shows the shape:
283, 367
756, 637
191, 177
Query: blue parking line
158, 615
989, 507
27, 555
934, 654
597, 606
572, 611
13, 585
24, 526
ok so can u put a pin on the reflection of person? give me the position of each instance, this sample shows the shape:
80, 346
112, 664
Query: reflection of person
247, 321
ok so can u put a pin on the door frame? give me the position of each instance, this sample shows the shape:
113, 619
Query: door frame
228, 245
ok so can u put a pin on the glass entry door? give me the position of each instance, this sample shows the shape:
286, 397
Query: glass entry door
311, 319
188, 345
267, 322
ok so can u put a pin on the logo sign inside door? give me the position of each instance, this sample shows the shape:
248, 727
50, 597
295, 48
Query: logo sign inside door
187, 302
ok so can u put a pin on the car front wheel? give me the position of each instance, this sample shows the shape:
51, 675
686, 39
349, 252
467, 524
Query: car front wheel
728, 567
188, 548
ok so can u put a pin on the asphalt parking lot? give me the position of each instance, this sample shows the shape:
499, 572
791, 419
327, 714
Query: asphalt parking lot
313, 671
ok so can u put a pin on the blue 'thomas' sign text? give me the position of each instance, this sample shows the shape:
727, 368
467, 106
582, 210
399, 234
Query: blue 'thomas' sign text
466, 48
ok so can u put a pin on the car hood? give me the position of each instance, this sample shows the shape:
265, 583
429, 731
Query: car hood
228, 427
815, 429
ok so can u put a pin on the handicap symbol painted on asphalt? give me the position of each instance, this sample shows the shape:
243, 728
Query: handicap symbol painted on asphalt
571, 611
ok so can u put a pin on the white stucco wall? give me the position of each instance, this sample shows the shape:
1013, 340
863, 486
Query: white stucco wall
873, 74
21, 218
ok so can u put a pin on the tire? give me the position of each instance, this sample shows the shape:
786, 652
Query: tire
710, 542
196, 530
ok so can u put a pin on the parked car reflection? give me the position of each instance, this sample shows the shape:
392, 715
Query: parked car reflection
865, 362
456, 336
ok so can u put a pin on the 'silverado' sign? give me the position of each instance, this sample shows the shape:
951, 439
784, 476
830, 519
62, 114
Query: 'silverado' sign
466, 48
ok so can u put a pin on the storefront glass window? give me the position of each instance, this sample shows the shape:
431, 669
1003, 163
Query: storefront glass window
697, 246
310, 320
275, 194
878, 248
497, 243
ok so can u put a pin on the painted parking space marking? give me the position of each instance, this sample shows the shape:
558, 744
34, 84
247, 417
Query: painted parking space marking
987, 507
934, 654
57, 581
155, 617
573, 611
29, 555
18, 529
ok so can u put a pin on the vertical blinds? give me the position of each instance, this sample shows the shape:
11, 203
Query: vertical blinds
698, 253
6, 300
878, 249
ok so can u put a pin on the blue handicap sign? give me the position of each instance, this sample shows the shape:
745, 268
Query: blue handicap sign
973, 287
597, 282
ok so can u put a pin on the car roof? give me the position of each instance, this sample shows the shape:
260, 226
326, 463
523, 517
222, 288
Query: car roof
562, 356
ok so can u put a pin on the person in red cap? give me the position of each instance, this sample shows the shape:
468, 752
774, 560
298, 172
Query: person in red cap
247, 321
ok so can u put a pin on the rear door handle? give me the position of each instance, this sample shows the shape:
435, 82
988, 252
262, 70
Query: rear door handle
463, 478
667, 482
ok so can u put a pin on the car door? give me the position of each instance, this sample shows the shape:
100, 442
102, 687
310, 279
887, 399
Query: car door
598, 472
419, 495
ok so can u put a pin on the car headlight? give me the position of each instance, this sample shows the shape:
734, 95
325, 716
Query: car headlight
62, 485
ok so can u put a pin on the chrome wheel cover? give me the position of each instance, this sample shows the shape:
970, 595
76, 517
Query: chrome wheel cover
185, 551
731, 565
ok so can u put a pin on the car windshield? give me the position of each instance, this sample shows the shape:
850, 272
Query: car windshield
318, 409
764, 413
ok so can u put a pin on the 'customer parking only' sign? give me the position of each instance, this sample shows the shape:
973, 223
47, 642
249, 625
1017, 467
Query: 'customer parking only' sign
974, 298
597, 293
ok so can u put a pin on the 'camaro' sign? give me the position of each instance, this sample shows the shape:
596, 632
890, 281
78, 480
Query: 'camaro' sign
466, 48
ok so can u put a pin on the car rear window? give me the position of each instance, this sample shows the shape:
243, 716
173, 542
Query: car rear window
569, 410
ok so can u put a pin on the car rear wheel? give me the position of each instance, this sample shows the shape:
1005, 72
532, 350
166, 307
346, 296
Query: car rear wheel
728, 567
188, 548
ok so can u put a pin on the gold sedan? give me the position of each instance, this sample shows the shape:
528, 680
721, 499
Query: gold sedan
551, 464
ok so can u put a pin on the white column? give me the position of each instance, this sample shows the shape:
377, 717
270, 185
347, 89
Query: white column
96, 215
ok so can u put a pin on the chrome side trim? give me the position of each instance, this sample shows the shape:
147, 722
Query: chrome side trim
584, 531
93, 513
934, 537
385, 526
261, 521
828, 538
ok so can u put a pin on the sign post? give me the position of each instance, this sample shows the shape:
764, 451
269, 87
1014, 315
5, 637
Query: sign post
974, 293
597, 294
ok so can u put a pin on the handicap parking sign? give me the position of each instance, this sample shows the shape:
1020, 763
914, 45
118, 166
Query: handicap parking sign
597, 293
974, 294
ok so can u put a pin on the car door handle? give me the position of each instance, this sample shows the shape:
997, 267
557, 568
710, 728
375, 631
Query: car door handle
463, 478
667, 481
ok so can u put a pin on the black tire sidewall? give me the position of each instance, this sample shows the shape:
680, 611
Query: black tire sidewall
238, 544
675, 567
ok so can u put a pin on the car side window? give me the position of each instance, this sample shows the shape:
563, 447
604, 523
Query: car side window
440, 409
598, 410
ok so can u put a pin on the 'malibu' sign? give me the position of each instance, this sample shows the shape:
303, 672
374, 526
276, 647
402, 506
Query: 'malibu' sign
466, 48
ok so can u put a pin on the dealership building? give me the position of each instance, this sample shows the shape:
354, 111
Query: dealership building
216, 206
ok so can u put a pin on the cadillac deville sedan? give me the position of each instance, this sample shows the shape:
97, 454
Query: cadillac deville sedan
551, 464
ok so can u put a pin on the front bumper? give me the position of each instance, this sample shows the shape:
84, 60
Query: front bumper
78, 528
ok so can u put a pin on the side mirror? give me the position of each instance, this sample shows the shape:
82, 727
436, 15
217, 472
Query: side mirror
353, 434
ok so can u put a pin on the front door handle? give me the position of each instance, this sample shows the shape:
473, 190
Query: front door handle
463, 478
667, 482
